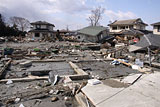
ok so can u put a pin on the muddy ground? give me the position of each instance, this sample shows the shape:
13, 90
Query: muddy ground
105, 70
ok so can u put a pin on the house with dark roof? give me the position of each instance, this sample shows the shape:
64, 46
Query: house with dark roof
42, 30
92, 33
118, 26
156, 28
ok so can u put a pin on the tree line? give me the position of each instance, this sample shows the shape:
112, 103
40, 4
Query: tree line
16, 26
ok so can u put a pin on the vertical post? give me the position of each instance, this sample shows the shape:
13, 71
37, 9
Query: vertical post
149, 54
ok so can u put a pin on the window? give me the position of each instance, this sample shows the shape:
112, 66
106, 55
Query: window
126, 27
38, 26
114, 28
122, 27
158, 28
131, 27
37, 35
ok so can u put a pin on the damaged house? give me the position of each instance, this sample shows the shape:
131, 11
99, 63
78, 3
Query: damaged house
92, 33
128, 29
42, 30
118, 26
156, 28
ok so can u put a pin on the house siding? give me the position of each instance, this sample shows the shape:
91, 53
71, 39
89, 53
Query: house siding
126, 27
118, 26
45, 31
86, 38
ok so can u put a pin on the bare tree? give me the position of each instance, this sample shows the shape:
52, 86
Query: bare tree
21, 23
67, 27
95, 16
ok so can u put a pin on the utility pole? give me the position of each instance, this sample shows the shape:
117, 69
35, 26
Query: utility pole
149, 54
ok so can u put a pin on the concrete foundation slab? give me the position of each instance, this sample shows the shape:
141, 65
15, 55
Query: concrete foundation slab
144, 93
99, 93
131, 78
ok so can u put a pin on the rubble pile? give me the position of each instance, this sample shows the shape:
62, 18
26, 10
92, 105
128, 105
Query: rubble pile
60, 73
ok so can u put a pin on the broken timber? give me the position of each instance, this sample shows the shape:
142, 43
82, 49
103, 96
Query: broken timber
81, 100
2, 71
154, 64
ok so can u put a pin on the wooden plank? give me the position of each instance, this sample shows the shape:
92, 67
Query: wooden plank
128, 64
52, 60
30, 78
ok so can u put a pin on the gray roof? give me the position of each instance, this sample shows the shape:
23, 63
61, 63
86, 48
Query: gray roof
41, 30
41, 23
158, 23
147, 41
92, 30
127, 22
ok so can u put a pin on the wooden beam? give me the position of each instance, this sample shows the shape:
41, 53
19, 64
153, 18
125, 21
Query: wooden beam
33, 78
49, 60
30, 78
77, 69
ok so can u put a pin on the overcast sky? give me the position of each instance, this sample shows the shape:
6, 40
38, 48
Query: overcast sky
73, 13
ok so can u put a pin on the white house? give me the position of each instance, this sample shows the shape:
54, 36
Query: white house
118, 26
156, 28
42, 30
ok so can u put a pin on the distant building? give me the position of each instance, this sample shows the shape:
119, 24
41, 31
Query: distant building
92, 33
118, 26
42, 30
156, 28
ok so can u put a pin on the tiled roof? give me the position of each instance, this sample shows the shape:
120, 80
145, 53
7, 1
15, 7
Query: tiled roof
158, 23
127, 22
41, 23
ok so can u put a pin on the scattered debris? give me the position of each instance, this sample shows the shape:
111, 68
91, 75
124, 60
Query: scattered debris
17, 100
54, 99
26, 64
94, 82
9, 82
38, 71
